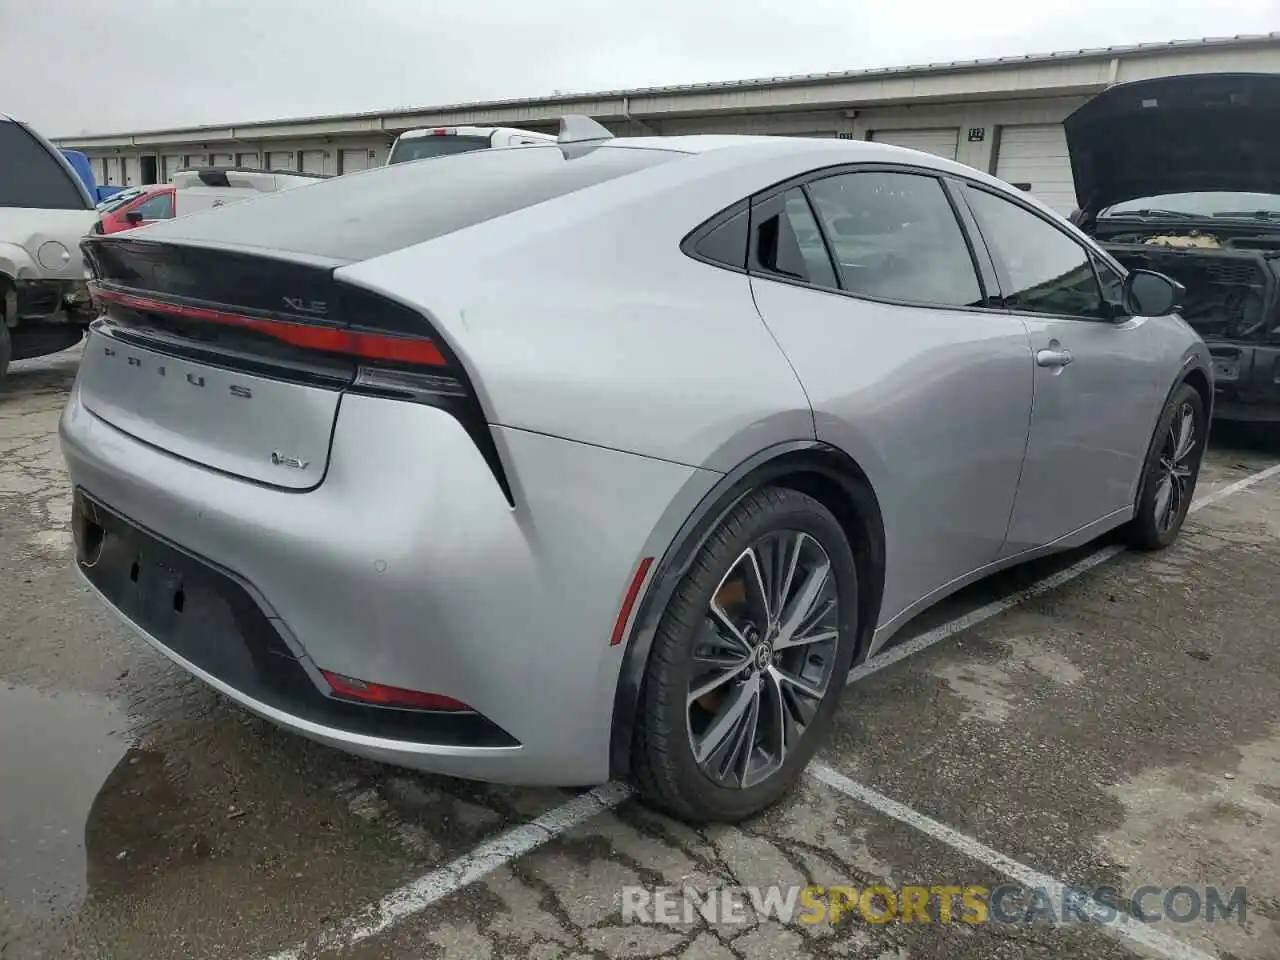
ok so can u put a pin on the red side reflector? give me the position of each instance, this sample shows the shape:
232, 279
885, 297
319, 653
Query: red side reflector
629, 601
349, 688
352, 343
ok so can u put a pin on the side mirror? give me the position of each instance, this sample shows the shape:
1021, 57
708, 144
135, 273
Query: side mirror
134, 216
1151, 294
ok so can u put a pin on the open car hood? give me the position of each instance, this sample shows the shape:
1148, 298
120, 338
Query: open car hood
1188, 134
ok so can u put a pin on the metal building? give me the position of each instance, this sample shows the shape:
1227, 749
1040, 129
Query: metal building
1003, 116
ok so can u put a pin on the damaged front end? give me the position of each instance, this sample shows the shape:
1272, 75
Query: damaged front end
1181, 175
1230, 276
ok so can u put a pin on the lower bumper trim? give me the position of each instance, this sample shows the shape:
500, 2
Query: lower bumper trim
206, 620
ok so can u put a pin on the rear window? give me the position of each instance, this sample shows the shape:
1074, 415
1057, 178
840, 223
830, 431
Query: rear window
420, 148
374, 212
32, 177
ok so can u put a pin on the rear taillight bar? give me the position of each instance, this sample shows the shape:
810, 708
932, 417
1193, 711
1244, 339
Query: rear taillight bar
351, 343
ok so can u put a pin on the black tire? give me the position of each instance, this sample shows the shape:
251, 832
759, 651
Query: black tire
1149, 529
664, 767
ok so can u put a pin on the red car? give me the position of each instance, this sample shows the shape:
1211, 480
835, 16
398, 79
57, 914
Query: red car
154, 204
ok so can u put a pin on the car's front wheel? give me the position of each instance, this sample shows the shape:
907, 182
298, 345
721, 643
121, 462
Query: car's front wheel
1172, 468
748, 661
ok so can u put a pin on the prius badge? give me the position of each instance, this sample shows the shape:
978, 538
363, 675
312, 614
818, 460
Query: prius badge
292, 462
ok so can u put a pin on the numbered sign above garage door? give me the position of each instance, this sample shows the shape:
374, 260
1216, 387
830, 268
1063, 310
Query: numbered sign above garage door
941, 142
1034, 157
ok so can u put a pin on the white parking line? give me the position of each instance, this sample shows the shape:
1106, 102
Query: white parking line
416, 896
1119, 925
472, 866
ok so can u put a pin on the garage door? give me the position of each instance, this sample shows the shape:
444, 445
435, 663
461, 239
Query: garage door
312, 161
222, 160
353, 160
169, 165
941, 142
112, 175
1034, 157
132, 172
280, 160
247, 160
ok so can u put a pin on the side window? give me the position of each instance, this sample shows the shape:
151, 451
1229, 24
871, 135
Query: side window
159, 207
727, 243
812, 248
1049, 272
895, 236
33, 178
788, 242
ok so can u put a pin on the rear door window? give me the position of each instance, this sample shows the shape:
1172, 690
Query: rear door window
32, 177
895, 236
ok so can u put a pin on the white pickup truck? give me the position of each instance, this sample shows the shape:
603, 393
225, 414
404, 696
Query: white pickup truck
45, 211
442, 141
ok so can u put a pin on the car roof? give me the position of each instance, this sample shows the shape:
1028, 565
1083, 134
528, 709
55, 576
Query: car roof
827, 151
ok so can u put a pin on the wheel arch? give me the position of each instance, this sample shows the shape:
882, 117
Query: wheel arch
1199, 379
811, 467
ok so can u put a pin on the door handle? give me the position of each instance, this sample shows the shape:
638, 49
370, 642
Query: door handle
1053, 357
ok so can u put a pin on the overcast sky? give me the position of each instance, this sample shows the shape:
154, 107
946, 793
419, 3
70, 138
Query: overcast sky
92, 66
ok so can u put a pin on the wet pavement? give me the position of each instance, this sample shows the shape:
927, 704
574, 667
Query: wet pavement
1122, 729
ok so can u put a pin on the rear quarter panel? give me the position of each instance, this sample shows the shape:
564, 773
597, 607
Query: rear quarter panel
581, 318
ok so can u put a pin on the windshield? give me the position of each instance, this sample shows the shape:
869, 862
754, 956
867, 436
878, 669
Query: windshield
354, 218
420, 148
1210, 204
117, 200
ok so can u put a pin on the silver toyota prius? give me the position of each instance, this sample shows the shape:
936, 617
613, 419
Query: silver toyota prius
608, 457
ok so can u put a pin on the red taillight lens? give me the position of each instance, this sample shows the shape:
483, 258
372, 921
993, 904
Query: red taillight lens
351, 343
377, 694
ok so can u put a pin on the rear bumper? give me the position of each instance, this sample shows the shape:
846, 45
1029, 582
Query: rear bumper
407, 567
1246, 381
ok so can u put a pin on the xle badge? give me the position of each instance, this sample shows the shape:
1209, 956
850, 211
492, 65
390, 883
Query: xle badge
293, 462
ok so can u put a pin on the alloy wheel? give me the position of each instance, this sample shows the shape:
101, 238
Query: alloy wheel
763, 658
1174, 470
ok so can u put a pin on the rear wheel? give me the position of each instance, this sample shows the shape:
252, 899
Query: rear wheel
749, 660
1173, 466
